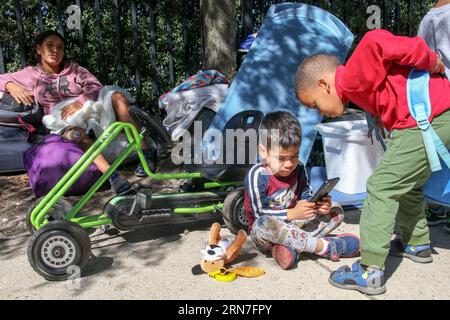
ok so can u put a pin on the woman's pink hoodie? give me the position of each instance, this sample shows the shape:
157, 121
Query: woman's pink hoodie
50, 89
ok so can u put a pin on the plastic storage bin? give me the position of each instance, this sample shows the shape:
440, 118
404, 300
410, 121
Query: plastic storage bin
349, 154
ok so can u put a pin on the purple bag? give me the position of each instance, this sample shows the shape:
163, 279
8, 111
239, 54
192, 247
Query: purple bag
47, 162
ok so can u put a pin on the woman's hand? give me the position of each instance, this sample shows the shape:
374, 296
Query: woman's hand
70, 109
19, 93
323, 206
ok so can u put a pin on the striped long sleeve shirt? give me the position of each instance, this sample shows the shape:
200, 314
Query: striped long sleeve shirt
267, 194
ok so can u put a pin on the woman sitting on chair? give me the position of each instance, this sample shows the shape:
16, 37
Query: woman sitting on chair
54, 80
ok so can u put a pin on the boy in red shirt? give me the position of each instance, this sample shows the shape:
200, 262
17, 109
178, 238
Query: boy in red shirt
375, 79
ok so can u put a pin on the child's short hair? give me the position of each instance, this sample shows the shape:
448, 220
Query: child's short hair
312, 68
280, 127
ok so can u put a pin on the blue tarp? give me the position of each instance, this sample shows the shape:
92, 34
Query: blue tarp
265, 81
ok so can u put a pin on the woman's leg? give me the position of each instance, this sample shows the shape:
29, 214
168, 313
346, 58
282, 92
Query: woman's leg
101, 162
121, 106
119, 184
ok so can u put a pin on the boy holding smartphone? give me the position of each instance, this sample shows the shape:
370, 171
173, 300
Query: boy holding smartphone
281, 217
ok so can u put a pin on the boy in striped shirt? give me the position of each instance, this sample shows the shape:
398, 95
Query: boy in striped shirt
277, 194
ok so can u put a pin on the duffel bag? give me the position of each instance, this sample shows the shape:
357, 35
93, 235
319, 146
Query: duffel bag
47, 162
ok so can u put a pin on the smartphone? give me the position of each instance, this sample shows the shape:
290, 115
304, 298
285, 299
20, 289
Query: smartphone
324, 189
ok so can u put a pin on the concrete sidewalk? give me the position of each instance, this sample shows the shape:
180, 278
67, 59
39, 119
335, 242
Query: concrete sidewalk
162, 263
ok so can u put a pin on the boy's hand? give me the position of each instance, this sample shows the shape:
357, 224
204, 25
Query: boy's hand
440, 67
303, 210
323, 206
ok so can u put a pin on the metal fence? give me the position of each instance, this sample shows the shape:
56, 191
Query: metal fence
149, 46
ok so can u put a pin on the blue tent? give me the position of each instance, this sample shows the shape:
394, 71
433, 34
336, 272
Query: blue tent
265, 81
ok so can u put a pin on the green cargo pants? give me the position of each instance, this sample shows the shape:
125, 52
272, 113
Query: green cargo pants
394, 191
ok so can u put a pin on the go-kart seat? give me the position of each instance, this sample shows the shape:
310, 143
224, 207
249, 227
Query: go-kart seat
236, 169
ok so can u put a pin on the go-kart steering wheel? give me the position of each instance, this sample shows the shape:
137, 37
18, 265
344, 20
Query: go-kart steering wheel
153, 127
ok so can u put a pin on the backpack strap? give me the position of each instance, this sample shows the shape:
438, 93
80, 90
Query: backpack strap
371, 123
419, 104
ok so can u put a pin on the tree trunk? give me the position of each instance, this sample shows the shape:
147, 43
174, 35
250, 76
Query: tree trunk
219, 35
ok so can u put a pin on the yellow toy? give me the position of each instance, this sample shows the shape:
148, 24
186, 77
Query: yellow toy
221, 252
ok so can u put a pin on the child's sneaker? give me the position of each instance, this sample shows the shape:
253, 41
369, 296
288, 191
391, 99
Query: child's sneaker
368, 280
284, 256
436, 216
420, 253
119, 184
342, 246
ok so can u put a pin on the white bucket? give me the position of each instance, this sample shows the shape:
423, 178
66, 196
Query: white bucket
349, 154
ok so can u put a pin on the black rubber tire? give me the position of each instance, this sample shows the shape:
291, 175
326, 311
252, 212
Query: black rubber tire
72, 236
154, 127
59, 210
234, 211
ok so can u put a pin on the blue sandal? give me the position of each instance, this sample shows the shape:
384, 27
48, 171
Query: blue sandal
419, 253
356, 278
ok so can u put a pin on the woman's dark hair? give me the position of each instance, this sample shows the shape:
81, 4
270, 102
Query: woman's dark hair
44, 35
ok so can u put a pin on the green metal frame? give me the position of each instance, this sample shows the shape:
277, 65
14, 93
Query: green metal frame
39, 213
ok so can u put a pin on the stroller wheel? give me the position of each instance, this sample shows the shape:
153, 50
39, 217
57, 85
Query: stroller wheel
58, 250
234, 211
57, 212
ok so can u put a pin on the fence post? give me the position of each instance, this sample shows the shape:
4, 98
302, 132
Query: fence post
136, 47
152, 25
81, 34
119, 52
39, 17
19, 24
60, 18
185, 8
168, 11
247, 17
100, 39
2, 64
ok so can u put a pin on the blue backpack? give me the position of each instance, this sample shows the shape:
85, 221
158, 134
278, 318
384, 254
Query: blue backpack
437, 187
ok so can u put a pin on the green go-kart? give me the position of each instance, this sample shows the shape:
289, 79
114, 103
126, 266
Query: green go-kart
60, 244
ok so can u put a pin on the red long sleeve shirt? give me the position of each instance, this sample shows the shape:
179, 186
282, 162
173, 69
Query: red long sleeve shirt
374, 78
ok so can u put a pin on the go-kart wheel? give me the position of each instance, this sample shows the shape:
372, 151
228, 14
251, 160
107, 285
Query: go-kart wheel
234, 211
57, 212
154, 128
56, 249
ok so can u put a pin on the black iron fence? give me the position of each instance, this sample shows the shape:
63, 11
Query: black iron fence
149, 46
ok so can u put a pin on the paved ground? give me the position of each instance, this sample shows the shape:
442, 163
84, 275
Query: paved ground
162, 263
